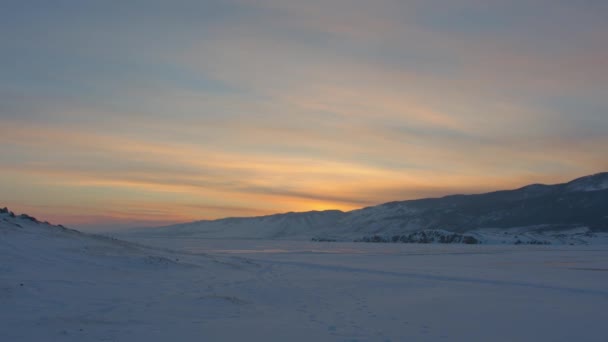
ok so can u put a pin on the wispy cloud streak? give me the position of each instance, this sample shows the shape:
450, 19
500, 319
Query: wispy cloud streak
131, 114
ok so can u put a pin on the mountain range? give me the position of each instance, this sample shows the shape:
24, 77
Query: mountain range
535, 213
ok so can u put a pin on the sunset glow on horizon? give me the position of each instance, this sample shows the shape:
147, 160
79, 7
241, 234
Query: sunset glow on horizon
128, 113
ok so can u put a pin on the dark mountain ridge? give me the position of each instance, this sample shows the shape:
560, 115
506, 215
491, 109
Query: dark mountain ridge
581, 203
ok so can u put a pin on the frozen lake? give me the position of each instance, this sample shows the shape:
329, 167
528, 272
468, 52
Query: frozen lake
397, 292
64, 286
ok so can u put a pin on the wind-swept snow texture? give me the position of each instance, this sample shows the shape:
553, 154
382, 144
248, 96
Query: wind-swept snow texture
61, 285
570, 213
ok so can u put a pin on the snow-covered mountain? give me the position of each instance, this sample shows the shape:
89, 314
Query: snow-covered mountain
577, 207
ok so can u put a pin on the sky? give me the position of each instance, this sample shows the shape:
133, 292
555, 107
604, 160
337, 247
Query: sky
118, 114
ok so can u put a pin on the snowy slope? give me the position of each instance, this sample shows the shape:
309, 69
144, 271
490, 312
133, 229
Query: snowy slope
24, 239
537, 208
58, 284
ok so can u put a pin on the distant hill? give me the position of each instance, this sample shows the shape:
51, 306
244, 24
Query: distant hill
577, 206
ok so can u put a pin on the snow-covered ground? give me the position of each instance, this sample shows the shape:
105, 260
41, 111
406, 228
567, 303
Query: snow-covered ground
60, 285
